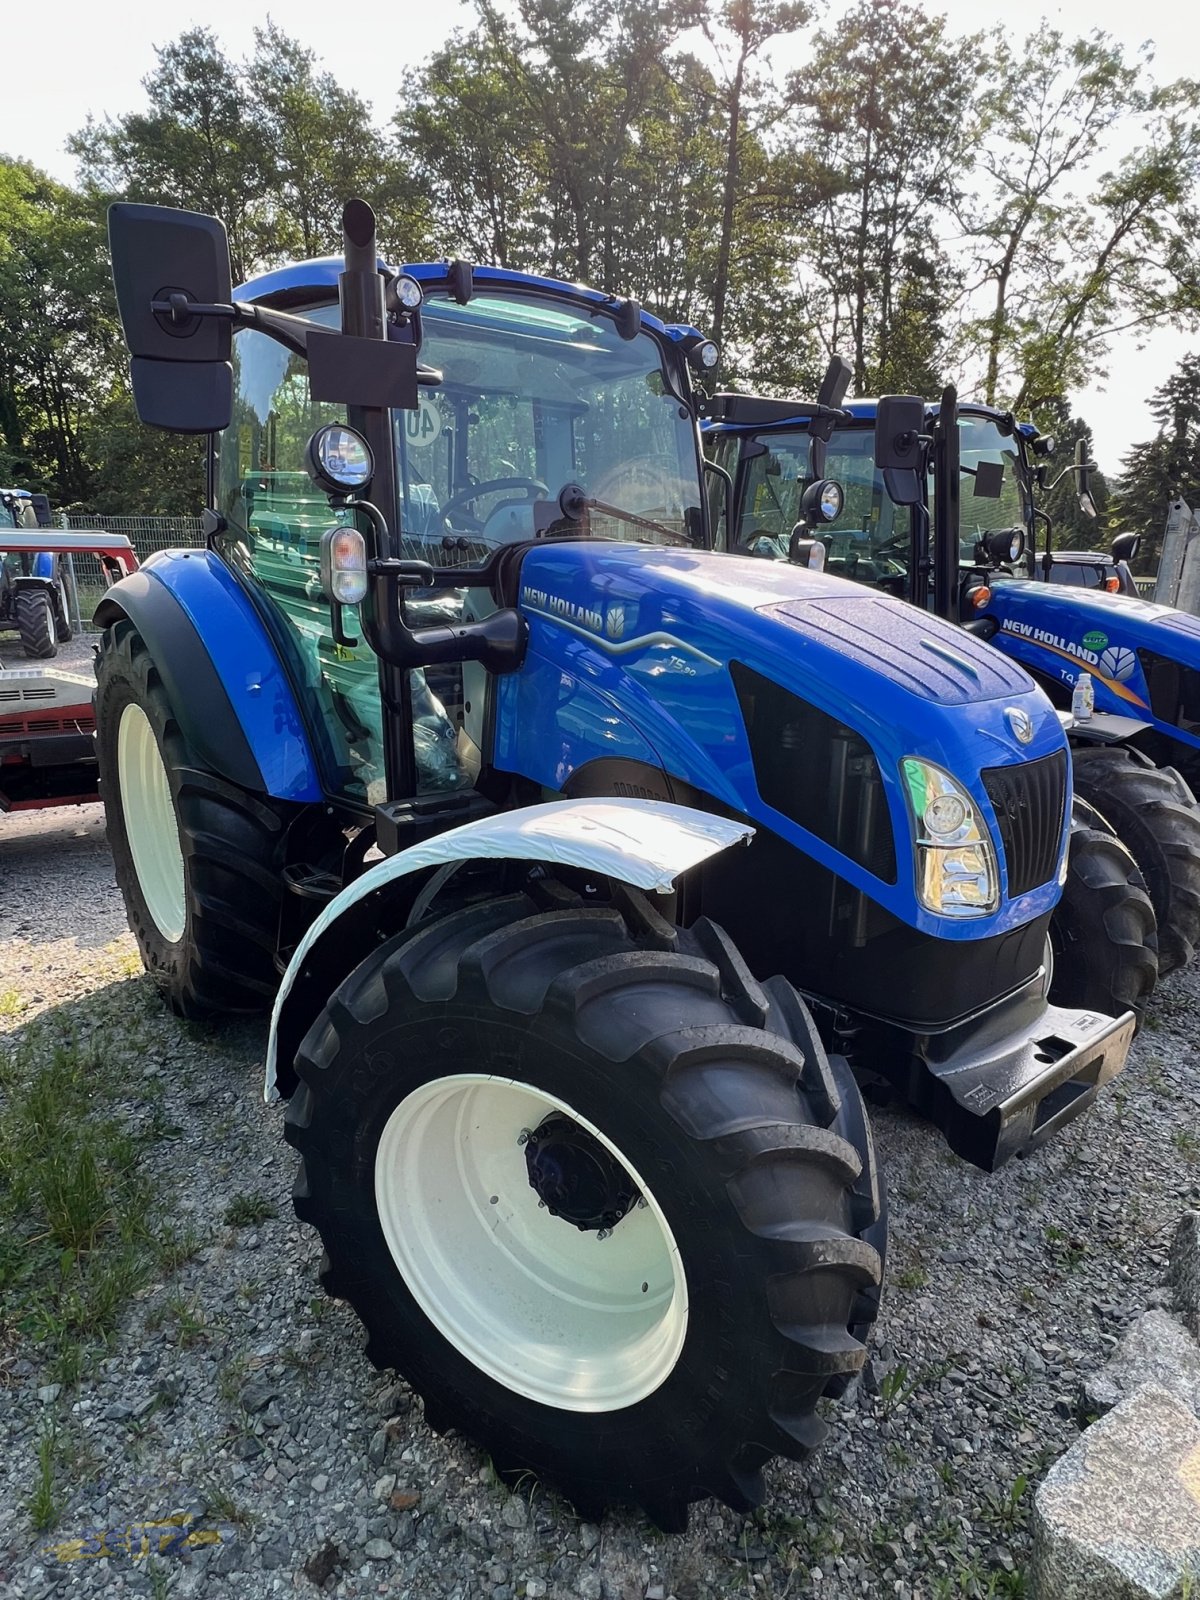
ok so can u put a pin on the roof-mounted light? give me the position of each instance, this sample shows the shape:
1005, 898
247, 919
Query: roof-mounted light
704, 356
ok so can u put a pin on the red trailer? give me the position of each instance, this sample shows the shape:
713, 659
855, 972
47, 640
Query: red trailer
47, 749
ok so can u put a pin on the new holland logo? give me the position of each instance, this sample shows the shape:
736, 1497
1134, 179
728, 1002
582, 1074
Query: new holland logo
614, 622
1020, 722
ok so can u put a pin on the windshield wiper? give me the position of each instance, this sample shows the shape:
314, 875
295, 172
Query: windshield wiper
573, 501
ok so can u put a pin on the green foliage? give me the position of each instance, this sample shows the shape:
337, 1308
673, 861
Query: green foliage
928, 206
1164, 467
886, 131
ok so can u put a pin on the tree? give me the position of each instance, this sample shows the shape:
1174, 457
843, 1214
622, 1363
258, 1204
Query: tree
1165, 467
464, 138
320, 149
886, 129
1070, 256
199, 148
59, 337
745, 28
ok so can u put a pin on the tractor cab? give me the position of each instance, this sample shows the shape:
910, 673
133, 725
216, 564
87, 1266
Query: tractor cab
881, 533
543, 413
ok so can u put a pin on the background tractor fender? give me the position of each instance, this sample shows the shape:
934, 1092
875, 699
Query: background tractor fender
221, 670
645, 843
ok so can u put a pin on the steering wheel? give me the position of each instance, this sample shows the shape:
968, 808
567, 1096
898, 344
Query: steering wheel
533, 487
758, 542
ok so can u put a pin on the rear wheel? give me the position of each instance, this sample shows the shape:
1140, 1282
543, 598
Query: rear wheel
36, 623
198, 860
605, 1221
1103, 935
1155, 815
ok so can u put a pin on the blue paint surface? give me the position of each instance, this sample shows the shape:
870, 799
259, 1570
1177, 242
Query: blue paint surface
629, 656
247, 664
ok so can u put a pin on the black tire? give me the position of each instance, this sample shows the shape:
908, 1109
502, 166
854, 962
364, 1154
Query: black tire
66, 593
1154, 813
36, 623
667, 1055
231, 844
1103, 932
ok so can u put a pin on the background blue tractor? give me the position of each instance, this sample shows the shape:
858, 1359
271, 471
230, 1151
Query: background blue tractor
953, 529
446, 754
33, 589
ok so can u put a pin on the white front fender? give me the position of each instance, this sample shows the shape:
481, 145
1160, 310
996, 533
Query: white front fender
646, 843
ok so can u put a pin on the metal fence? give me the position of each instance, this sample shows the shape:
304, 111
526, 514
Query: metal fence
145, 534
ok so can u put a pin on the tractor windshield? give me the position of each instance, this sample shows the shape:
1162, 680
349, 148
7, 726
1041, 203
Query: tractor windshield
538, 395
992, 482
869, 542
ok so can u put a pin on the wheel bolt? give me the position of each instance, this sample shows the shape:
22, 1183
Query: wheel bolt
604, 1233
524, 1136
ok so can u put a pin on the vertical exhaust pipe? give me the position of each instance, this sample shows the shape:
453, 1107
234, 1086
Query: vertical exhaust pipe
364, 316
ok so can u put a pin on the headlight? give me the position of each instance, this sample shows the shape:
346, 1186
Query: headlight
339, 459
957, 874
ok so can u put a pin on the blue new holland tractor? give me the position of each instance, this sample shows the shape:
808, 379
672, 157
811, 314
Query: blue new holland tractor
460, 746
947, 516
33, 590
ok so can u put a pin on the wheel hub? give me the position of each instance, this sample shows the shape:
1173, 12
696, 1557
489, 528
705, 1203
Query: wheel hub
576, 1178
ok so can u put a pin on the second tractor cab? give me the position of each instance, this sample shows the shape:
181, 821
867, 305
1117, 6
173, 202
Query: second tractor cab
947, 518
443, 746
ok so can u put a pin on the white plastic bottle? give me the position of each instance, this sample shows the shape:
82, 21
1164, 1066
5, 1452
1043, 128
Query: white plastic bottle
1083, 698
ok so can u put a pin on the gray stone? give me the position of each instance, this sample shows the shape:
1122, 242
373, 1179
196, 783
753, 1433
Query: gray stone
513, 1514
1183, 1271
49, 1393
1155, 1349
320, 1483
1119, 1515
377, 1448
378, 1550
257, 1394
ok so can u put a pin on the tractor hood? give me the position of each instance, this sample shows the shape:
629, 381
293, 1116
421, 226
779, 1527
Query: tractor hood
655, 648
1061, 630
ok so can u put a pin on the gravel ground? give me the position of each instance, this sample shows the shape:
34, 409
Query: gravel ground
236, 1399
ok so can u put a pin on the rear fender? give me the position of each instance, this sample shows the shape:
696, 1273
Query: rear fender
221, 671
647, 844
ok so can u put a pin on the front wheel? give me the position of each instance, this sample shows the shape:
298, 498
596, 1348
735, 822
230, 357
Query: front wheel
601, 1218
1103, 938
1155, 815
198, 860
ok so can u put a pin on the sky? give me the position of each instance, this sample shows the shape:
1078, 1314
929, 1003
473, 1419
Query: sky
90, 62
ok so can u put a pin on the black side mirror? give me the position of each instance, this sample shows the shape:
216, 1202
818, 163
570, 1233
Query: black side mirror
899, 422
165, 262
1126, 546
835, 385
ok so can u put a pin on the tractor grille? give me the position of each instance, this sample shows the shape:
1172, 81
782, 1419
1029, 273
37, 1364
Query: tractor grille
1029, 800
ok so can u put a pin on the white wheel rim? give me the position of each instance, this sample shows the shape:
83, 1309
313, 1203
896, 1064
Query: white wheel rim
150, 823
559, 1316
